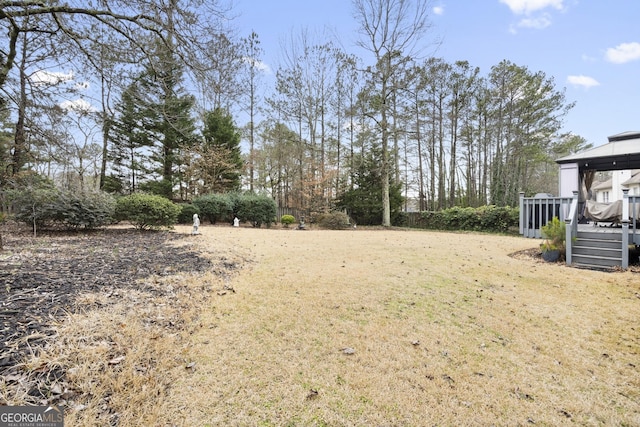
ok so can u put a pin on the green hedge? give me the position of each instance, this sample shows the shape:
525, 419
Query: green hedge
247, 207
214, 207
485, 218
84, 210
255, 209
146, 211
186, 213
52, 208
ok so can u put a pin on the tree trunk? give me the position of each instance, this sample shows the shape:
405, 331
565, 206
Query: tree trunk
384, 176
20, 139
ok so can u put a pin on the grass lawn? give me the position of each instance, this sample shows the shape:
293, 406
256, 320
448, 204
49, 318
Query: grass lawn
409, 328
357, 328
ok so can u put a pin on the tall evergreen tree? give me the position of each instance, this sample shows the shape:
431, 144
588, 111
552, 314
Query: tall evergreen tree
364, 201
223, 137
527, 113
126, 152
156, 112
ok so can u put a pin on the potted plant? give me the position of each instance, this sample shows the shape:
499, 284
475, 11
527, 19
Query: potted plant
554, 245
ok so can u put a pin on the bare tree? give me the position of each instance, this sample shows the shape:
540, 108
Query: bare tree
390, 30
129, 22
252, 52
97, 36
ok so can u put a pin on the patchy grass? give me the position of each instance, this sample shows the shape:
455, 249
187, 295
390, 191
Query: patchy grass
410, 328
358, 327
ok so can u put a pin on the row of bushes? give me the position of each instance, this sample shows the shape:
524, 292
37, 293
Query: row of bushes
247, 207
498, 219
48, 207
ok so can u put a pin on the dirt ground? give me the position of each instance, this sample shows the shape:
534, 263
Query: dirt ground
287, 327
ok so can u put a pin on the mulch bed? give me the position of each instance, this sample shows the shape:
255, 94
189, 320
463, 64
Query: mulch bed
41, 277
534, 254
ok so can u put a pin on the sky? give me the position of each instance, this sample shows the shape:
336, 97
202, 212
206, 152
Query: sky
591, 48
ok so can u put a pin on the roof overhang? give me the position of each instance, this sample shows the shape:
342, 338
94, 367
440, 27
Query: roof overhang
622, 152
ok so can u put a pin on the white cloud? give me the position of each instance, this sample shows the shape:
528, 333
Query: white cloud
438, 10
42, 77
78, 106
525, 7
537, 23
258, 65
624, 52
583, 81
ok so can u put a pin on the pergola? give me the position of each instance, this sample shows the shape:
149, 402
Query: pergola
577, 170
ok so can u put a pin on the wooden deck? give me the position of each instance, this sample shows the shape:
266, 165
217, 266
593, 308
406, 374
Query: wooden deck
594, 244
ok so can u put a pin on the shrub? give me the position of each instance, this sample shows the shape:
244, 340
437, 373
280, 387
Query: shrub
214, 207
146, 211
255, 209
35, 206
485, 218
498, 218
457, 218
89, 210
333, 220
287, 220
186, 213
48, 208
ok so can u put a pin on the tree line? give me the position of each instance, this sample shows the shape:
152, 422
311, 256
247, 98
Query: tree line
171, 81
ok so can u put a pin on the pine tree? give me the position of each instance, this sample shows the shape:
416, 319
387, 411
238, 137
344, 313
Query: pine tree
127, 148
364, 201
221, 159
156, 113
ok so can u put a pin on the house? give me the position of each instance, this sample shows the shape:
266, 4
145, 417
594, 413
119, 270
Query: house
633, 183
611, 190
602, 192
616, 201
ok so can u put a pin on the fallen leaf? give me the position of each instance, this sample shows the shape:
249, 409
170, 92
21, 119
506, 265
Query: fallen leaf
56, 389
348, 350
313, 394
116, 360
565, 413
447, 378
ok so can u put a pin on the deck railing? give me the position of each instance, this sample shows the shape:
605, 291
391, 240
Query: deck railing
535, 212
634, 220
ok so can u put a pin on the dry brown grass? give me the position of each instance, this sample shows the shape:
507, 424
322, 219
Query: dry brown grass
443, 329
446, 329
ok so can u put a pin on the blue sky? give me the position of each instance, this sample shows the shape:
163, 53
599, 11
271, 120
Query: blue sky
589, 47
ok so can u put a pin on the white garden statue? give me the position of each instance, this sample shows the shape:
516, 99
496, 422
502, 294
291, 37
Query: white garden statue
196, 224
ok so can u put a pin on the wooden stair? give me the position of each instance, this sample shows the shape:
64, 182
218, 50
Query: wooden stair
602, 251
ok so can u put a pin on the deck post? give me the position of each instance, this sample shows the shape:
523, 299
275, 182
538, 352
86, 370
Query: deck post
571, 227
625, 228
521, 212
